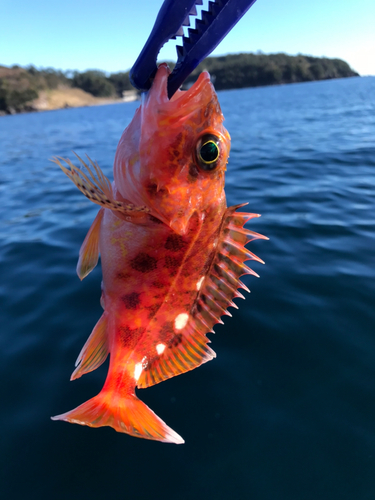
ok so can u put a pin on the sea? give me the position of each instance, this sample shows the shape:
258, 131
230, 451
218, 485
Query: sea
287, 409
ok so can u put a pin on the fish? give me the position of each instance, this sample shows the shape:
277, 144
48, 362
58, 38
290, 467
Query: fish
172, 253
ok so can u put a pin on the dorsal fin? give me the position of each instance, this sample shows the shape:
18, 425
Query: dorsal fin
185, 352
89, 252
98, 189
189, 349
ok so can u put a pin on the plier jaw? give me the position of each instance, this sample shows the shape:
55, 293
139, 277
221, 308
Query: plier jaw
214, 25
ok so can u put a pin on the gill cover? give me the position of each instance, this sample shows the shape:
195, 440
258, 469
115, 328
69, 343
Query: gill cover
173, 155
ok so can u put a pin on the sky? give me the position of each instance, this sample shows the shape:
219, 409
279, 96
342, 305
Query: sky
109, 35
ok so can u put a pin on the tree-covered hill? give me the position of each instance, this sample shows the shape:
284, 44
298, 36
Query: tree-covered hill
20, 87
254, 70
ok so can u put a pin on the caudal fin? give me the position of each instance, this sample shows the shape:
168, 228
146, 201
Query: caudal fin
129, 415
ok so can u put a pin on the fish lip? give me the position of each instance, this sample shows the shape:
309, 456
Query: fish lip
180, 97
202, 81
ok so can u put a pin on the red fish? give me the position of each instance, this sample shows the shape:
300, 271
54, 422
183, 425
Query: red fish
171, 252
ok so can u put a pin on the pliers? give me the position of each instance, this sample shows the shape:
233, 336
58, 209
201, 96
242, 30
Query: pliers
215, 24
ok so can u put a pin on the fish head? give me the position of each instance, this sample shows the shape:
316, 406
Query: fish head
173, 155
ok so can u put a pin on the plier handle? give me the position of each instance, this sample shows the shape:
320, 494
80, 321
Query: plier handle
216, 22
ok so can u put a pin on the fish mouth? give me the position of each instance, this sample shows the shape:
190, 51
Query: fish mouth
182, 101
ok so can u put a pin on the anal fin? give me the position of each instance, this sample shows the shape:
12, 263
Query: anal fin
95, 350
89, 252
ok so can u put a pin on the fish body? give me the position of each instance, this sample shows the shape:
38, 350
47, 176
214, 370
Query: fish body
171, 253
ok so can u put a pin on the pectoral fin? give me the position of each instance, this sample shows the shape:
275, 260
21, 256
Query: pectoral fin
97, 188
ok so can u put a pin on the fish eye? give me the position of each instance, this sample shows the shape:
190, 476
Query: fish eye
208, 152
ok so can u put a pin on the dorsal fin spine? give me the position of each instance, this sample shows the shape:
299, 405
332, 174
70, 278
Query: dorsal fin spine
242, 285
248, 270
214, 317
216, 307
216, 294
228, 274
238, 233
222, 285
201, 319
238, 295
239, 252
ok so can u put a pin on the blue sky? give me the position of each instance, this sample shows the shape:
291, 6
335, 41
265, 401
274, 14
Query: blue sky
108, 35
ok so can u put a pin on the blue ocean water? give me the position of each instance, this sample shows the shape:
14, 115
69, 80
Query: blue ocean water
287, 409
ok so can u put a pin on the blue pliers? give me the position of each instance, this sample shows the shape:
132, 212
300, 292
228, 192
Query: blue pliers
220, 18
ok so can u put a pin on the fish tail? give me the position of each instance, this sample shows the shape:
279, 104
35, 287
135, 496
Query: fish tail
126, 414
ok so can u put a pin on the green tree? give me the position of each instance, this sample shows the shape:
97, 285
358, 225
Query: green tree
95, 82
120, 82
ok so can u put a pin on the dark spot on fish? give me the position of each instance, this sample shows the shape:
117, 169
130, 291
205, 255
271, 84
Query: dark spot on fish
143, 263
199, 307
173, 156
218, 270
152, 188
187, 272
130, 336
172, 263
152, 310
108, 201
203, 298
131, 300
155, 220
175, 242
123, 276
191, 294
176, 143
166, 330
193, 173
92, 191
158, 284
177, 339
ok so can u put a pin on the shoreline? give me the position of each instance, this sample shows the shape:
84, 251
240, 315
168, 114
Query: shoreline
63, 98
71, 97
